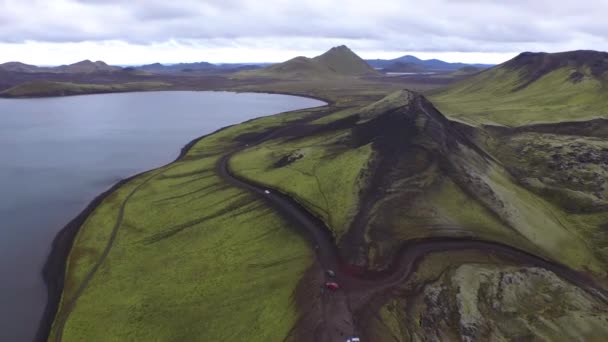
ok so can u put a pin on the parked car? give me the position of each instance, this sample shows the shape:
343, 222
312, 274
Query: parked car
330, 273
267, 192
331, 285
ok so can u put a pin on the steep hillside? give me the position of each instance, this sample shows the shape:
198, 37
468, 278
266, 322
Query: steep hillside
398, 170
532, 88
339, 61
391, 175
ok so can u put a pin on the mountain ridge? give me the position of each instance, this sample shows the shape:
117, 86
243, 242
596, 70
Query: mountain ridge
84, 66
426, 65
532, 88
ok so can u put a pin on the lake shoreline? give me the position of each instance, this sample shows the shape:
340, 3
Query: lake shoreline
53, 271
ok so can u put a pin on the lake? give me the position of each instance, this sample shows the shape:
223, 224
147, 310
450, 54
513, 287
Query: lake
57, 154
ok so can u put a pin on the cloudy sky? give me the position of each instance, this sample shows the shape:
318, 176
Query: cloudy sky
49, 32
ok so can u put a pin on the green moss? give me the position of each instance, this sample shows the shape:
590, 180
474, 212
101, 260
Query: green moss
326, 179
543, 224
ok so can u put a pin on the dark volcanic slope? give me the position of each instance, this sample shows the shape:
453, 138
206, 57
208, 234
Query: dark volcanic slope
531, 88
427, 177
410, 132
536, 65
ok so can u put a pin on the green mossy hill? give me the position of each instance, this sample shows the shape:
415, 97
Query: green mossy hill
194, 258
47, 88
397, 169
532, 88
339, 61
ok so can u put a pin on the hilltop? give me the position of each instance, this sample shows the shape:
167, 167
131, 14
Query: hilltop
21, 67
532, 88
86, 67
337, 62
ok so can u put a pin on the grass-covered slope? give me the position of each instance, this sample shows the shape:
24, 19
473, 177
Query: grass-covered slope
397, 170
337, 62
318, 173
532, 88
47, 88
193, 258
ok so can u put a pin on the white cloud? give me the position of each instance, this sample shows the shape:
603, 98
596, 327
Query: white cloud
140, 31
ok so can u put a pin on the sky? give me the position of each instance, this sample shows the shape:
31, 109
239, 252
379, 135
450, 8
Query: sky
131, 32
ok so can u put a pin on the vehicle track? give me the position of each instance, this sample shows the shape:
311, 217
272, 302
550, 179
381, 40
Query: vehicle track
71, 303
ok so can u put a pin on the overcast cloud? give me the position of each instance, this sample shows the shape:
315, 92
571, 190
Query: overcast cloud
138, 31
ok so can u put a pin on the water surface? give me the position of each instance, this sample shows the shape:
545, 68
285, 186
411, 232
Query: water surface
57, 154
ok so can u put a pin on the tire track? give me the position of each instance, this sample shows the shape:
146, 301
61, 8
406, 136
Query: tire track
69, 307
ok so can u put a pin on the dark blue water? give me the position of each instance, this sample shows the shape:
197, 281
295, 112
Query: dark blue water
57, 154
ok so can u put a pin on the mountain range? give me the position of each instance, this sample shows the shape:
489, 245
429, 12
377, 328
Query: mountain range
337, 61
158, 68
410, 63
85, 66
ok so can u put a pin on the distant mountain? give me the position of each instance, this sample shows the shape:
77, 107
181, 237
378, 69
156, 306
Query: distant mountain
179, 67
85, 66
404, 67
20, 67
344, 61
425, 65
158, 68
533, 87
338, 61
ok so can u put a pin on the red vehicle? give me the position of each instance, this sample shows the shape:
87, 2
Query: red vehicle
330, 285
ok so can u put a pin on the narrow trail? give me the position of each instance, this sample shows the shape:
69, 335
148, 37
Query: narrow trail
61, 320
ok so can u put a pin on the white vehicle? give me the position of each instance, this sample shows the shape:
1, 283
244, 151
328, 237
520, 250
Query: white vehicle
353, 339
267, 192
